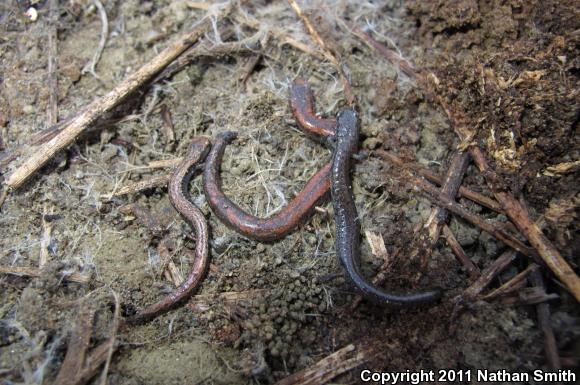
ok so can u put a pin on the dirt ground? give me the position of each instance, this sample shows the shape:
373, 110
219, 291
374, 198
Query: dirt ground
513, 66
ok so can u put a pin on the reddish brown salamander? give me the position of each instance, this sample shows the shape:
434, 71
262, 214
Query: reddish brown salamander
346, 217
179, 197
269, 229
301, 103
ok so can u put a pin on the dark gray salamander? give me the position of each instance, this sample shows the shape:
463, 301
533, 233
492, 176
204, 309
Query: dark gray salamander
346, 217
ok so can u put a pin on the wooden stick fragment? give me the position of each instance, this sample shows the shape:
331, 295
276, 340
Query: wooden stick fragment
331, 366
203, 302
78, 345
156, 181
168, 128
432, 193
426, 242
488, 274
104, 104
513, 284
528, 296
459, 253
144, 216
34, 272
545, 322
393, 57
435, 178
520, 217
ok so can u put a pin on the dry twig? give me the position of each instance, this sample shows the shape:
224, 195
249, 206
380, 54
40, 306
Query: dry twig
34, 272
513, 284
156, 181
105, 104
168, 128
471, 268
488, 274
429, 234
545, 322
331, 366
78, 345
520, 217
78, 368
432, 193
434, 178
203, 302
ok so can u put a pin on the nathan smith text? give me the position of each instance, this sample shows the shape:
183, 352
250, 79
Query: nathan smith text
536, 375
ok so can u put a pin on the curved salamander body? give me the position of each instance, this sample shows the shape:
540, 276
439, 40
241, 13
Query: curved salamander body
346, 216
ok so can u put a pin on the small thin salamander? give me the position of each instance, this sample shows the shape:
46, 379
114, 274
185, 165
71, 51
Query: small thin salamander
180, 199
302, 105
268, 229
346, 216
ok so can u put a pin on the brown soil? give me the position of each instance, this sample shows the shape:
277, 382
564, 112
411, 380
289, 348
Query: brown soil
512, 66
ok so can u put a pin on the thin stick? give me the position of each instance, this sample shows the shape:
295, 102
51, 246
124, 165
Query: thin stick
52, 76
392, 56
78, 345
331, 55
489, 274
249, 67
98, 356
203, 302
112, 339
331, 366
3, 196
91, 66
438, 215
156, 181
435, 178
105, 104
432, 193
528, 227
34, 272
545, 322
528, 296
459, 253
511, 285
